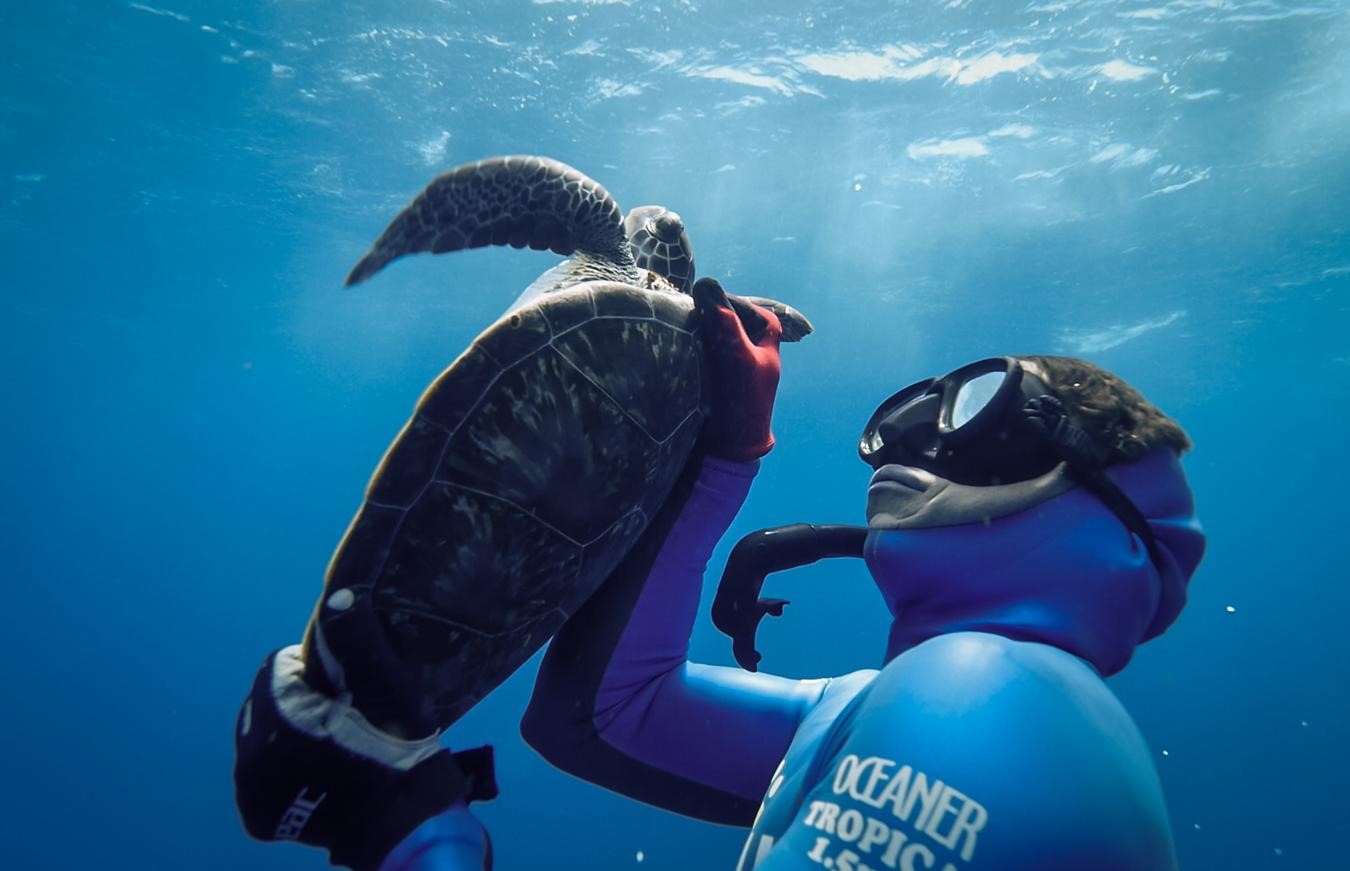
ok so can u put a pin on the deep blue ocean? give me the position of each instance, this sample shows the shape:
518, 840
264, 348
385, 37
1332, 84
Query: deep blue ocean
192, 402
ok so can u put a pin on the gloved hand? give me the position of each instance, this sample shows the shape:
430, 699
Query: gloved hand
1048, 414
743, 369
310, 768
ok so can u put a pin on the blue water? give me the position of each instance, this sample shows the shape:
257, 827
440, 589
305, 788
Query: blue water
193, 404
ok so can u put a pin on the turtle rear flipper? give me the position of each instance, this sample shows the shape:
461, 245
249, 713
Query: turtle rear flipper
516, 200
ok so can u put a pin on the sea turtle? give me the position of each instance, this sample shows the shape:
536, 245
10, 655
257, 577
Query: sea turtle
534, 462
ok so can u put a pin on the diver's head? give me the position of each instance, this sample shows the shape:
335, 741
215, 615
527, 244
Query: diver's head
1044, 487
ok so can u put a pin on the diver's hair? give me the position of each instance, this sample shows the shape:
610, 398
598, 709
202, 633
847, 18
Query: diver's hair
1120, 420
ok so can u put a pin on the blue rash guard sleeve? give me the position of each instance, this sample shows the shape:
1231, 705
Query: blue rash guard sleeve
618, 703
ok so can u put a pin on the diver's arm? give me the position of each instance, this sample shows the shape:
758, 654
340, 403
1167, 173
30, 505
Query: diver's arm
617, 702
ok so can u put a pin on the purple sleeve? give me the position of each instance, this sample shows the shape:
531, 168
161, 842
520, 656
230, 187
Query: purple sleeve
618, 703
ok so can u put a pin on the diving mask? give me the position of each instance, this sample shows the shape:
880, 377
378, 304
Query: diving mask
992, 422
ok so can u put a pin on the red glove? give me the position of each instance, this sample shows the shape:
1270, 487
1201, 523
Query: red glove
740, 347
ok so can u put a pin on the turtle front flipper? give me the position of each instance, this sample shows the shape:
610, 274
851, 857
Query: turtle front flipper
514, 200
795, 325
660, 243
707, 292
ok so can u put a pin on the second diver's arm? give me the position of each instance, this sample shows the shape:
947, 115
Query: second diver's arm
618, 703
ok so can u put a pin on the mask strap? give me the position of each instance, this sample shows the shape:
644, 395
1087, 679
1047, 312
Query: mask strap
1078, 450
1106, 490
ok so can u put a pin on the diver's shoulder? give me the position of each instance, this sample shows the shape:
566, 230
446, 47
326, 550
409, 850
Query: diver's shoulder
837, 693
977, 664
983, 651
1034, 735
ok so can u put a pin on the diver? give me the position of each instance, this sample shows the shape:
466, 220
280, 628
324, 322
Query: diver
372, 784
1028, 525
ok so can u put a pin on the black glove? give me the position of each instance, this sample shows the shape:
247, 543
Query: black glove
1048, 414
738, 607
310, 768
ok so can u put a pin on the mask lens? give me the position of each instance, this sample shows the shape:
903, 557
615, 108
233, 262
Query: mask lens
872, 444
974, 396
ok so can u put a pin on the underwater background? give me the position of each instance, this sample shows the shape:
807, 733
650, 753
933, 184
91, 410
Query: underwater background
192, 404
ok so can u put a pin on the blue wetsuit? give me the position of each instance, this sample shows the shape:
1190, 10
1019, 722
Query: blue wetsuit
988, 741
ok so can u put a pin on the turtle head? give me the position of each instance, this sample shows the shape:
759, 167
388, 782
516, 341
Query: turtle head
666, 226
657, 238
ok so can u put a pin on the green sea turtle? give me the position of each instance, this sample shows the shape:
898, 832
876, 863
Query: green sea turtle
534, 462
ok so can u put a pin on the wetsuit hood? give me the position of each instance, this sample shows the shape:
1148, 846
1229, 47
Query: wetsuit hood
1047, 563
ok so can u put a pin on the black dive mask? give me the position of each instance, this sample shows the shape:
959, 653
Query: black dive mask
994, 421
968, 426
